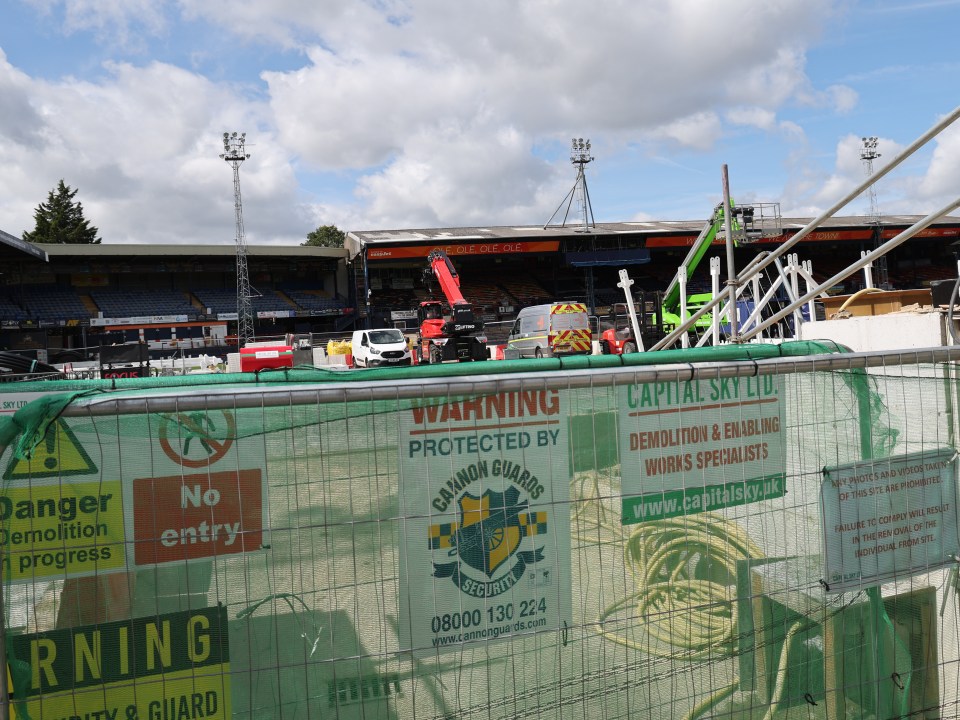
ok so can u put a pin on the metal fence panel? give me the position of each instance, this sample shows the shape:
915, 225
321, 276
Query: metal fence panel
614, 542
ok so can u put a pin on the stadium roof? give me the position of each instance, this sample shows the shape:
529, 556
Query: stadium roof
637, 226
357, 239
12, 248
132, 250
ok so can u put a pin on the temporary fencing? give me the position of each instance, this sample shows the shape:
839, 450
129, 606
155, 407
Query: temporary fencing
743, 531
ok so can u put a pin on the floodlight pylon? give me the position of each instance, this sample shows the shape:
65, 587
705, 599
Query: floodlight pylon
234, 153
579, 156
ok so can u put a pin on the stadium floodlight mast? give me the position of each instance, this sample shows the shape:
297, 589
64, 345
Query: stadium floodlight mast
579, 156
868, 153
234, 152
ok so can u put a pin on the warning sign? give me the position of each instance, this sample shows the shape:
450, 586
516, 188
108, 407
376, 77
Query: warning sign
165, 666
60, 530
63, 516
689, 446
186, 517
485, 485
889, 518
197, 439
59, 455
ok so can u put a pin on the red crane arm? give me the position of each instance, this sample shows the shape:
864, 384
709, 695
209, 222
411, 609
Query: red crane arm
447, 276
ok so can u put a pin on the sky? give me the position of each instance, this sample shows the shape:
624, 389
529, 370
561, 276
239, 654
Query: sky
393, 114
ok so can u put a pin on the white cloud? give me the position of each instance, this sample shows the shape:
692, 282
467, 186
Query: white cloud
399, 99
445, 174
141, 147
438, 113
842, 98
698, 131
939, 185
752, 116
116, 22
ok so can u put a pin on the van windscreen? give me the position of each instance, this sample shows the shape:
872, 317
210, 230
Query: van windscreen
382, 337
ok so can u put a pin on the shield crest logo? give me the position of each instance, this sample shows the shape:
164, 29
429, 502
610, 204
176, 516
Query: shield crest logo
489, 532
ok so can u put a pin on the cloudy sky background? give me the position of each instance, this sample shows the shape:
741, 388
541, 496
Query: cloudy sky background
394, 114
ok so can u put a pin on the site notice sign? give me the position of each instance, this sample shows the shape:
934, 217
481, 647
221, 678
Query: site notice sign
58, 516
484, 493
889, 518
689, 446
160, 667
186, 490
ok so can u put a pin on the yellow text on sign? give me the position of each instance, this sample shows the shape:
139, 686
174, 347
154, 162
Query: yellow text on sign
62, 530
200, 693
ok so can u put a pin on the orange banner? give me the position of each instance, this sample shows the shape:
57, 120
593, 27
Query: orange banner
815, 236
468, 247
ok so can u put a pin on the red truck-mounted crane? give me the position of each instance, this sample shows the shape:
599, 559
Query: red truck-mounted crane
448, 338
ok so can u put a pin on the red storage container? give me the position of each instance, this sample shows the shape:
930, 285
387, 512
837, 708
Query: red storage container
258, 358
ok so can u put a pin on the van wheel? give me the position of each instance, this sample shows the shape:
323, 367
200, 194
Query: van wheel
435, 356
629, 347
538, 353
604, 347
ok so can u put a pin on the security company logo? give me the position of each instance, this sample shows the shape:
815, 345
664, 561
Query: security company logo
486, 542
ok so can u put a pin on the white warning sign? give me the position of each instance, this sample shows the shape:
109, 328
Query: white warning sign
889, 518
485, 484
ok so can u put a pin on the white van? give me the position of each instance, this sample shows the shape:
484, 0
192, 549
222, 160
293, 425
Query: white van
380, 347
561, 328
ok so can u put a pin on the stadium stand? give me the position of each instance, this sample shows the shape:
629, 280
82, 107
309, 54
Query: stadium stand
312, 300
54, 302
9, 310
525, 290
217, 300
220, 300
126, 303
482, 294
270, 301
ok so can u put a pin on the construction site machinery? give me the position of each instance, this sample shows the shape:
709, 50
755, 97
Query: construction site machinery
453, 336
618, 336
748, 223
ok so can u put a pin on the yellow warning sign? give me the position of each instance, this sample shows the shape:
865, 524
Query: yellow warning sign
58, 455
61, 530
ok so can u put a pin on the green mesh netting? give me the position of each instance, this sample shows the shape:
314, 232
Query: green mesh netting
461, 541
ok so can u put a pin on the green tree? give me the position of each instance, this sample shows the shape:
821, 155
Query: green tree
326, 236
60, 220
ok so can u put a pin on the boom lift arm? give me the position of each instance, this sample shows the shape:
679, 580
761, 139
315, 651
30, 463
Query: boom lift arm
748, 223
671, 298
